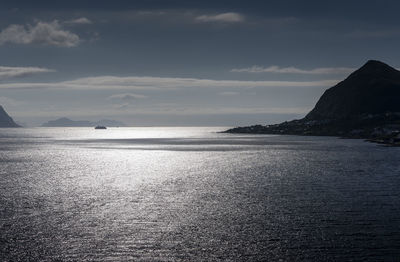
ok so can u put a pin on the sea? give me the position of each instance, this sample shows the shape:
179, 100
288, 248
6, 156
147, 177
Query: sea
195, 194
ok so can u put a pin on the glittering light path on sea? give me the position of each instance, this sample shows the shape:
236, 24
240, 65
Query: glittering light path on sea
191, 194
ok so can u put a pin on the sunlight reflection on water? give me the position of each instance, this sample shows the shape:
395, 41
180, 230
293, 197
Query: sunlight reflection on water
191, 194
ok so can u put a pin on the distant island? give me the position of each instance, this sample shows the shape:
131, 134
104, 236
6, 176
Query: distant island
66, 122
365, 105
6, 120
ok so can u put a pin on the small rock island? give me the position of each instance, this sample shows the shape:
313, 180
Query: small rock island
365, 105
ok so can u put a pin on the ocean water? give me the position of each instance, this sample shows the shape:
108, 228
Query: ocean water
192, 194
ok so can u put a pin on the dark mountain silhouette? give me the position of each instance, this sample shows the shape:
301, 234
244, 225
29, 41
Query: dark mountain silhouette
364, 105
5, 119
66, 122
372, 89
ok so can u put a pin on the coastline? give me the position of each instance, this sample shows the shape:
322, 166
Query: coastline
378, 128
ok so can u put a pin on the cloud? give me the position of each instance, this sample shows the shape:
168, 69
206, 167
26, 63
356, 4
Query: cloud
42, 33
294, 70
126, 96
9, 72
224, 17
160, 83
79, 21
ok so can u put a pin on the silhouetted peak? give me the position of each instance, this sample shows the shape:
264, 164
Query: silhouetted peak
374, 63
372, 89
375, 68
5, 119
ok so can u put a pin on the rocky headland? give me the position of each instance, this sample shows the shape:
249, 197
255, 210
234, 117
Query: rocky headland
365, 105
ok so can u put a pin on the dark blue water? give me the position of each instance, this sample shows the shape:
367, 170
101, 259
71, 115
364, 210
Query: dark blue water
190, 194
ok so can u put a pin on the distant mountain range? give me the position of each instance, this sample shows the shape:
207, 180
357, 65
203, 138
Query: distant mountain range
365, 105
66, 122
6, 120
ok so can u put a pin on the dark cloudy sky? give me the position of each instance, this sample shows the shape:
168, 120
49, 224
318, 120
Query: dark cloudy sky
185, 62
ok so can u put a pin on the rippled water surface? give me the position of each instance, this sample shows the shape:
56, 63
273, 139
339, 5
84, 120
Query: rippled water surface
191, 194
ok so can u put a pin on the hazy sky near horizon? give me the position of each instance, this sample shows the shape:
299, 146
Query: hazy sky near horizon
185, 62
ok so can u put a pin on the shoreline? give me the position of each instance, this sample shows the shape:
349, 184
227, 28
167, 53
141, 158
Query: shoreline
379, 128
